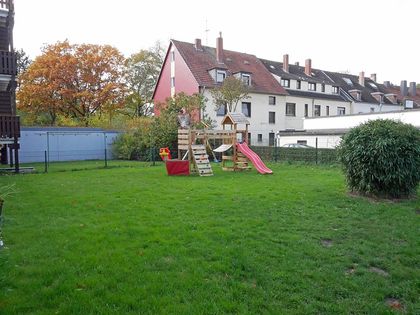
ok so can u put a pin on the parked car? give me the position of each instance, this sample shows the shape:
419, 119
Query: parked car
297, 146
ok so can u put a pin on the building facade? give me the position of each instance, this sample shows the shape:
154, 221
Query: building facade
281, 95
9, 122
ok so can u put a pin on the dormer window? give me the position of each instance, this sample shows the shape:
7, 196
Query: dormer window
392, 98
285, 83
220, 76
323, 87
246, 78
378, 96
312, 86
298, 84
335, 89
356, 94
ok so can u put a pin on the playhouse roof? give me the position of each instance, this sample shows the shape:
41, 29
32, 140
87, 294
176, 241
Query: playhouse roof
235, 118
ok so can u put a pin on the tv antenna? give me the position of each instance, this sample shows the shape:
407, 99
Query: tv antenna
207, 34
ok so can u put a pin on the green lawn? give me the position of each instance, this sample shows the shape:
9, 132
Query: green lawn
133, 240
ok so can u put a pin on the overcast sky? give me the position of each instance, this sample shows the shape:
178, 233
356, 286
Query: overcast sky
375, 36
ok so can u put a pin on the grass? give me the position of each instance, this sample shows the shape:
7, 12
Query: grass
133, 240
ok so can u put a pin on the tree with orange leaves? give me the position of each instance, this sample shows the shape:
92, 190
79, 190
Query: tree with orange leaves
76, 81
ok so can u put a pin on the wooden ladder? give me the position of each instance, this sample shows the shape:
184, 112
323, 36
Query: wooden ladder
201, 160
242, 162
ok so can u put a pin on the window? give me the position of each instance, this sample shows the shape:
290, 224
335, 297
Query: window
302, 142
290, 109
173, 82
298, 84
306, 110
341, 111
271, 139
323, 87
285, 82
317, 110
335, 89
271, 117
220, 76
327, 110
222, 111
271, 100
246, 79
259, 137
246, 109
312, 87
172, 56
348, 81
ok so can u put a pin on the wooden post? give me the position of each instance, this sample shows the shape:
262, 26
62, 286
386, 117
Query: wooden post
16, 145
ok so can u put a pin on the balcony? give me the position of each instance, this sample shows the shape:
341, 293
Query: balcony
6, 4
5, 7
9, 127
8, 63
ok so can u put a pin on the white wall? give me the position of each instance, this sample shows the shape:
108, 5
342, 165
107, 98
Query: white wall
259, 114
349, 121
358, 108
297, 122
324, 141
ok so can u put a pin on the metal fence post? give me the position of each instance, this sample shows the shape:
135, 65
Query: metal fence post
105, 152
48, 148
45, 162
316, 150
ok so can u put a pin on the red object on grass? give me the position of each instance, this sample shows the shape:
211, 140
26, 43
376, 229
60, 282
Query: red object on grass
177, 167
165, 154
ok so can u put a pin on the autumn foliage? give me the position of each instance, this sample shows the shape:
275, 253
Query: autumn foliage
74, 81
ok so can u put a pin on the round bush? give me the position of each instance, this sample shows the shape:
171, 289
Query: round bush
382, 158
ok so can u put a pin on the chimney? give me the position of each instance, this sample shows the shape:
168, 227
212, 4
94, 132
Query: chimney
308, 67
412, 90
198, 44
373, 77
297, 63
219, 49
403, 88
362, 78
387, 84
286, 63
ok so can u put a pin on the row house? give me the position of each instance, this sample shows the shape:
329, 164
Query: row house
194, 68
9, 122
282, 95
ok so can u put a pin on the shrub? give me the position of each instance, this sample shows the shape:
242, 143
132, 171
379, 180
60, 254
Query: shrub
382, 158
134, 144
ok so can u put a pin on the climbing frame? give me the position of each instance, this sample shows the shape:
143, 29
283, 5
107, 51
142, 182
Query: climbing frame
201, 160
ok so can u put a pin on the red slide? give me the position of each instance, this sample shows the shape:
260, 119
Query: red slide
254, 158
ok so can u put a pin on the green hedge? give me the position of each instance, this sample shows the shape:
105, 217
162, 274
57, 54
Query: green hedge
382, 158
324, 156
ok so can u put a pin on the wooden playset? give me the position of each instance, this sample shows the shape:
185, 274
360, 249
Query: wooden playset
236, 155
193, 143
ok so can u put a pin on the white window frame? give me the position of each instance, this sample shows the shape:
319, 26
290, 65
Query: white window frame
272, 114
285, 83
311, 85
292, 105
246, 78
315, 110
221, 73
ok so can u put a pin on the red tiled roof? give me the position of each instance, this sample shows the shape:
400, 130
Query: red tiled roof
200, 62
